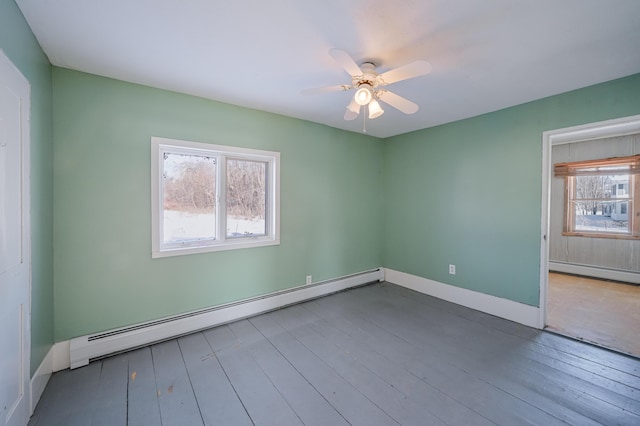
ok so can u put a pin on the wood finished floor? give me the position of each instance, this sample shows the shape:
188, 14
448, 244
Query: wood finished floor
606, 313
376, 355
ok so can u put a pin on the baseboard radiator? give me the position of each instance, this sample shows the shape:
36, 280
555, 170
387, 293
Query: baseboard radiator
84, 349
627, 276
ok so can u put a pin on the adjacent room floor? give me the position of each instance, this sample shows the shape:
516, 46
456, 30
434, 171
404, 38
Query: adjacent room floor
606, 313
379, 354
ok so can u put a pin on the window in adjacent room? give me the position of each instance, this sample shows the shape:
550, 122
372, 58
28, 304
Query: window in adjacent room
602, 197
212, 197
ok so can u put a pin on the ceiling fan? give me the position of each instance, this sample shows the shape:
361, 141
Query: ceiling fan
369, 85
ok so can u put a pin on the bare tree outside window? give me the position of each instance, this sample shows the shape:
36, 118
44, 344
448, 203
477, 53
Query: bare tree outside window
246, 197
189, 199
591, 189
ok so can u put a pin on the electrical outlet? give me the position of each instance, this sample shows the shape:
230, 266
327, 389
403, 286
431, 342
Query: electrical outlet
309, 279
452, 269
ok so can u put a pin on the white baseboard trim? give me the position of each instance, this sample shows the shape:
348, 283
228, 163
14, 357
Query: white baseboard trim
40, 379
81, 350
61, 355
590, 271
56, 359
503, 308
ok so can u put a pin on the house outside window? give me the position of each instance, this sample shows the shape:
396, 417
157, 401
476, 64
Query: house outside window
602, 197
212, 197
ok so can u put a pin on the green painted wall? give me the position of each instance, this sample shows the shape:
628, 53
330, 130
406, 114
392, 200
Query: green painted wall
469, 193
19, 44
331, 204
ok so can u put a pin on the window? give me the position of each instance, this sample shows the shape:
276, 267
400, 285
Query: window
601, 197
212, 197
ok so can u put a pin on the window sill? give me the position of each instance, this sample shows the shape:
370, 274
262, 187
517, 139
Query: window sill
235, 245
600, 235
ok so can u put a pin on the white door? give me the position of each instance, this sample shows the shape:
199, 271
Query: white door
15, 253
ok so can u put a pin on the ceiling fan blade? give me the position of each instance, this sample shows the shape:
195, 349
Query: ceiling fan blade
347, 62
414, 69
398, 102
329, 89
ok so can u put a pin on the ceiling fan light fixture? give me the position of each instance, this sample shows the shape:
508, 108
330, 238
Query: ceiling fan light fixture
363, 95
375, 110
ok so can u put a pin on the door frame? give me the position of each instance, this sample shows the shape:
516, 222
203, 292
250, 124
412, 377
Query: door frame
25, 154
602, 129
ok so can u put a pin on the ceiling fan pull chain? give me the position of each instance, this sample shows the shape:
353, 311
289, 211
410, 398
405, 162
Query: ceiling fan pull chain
364, 123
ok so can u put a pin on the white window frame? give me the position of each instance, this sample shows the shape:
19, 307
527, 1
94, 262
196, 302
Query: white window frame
272, 209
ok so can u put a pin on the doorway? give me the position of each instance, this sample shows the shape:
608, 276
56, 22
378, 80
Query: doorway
584, 288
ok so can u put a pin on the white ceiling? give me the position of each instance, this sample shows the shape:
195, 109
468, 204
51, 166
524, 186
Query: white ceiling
486, 55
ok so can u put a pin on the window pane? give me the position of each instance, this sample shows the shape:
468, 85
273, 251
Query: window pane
607, 186
189, 198
246, 198
606, 216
